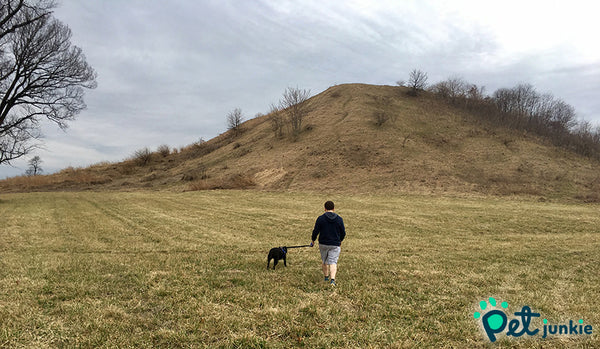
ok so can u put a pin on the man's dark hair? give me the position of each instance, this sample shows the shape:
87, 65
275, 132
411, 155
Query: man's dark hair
329, 205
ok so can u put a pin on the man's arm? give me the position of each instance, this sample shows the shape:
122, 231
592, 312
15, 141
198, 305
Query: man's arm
315, 232
343, 230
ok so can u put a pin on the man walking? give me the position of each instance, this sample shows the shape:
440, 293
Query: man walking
329, 227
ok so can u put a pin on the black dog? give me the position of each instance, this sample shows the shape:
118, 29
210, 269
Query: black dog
276, 254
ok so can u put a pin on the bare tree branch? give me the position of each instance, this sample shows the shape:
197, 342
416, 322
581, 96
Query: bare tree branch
417, 81
276, 119
234, 120
18, 14
41, 74
34, 166
294, 104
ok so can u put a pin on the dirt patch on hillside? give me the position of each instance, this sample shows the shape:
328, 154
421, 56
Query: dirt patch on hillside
269, 176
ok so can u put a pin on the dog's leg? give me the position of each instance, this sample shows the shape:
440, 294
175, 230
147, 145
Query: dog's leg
268, 262
284, 262
274, 263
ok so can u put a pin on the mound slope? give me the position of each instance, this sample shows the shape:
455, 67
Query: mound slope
356, 139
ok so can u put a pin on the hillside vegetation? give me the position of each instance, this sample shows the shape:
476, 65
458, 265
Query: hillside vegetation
357, 138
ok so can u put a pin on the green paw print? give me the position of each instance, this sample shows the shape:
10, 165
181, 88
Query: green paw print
494, 321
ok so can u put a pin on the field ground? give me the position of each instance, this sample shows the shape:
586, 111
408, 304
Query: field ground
163, 269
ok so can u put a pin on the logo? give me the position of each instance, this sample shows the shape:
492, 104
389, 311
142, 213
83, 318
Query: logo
495, 321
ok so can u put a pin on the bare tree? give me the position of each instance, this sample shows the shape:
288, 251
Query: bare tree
15, 14
277, 122
452, 89
234, 120
563, 117
475, 93
34, 166
520, 100
41, 75
417, 81
294, 105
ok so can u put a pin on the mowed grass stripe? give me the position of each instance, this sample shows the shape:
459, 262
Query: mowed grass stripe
156, 269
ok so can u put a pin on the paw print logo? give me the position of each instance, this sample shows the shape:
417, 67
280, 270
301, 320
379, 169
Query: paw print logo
493, 320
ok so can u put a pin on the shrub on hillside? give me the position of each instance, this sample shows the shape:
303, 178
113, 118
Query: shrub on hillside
142, 157
380, 117
235, 181
291, 111
277, 121
200, 148
382, 113
164, 150
198, 173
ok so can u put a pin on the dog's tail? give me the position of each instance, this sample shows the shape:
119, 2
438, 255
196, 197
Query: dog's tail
298, 246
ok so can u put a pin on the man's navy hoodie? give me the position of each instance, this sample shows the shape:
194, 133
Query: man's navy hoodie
330, 229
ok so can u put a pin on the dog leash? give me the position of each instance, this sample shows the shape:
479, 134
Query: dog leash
298, 246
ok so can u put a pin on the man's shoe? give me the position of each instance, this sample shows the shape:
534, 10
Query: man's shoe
326, 278
332, 283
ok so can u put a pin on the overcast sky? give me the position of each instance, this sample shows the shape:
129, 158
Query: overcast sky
169, 71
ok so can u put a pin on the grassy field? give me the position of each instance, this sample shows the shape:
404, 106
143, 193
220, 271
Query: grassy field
155, 269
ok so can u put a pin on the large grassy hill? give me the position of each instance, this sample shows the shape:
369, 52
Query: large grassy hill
425, 145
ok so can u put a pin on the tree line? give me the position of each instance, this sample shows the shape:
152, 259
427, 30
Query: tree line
524, 109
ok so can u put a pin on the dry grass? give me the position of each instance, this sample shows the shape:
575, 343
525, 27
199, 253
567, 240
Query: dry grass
67, 178
235, 181
167, 270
